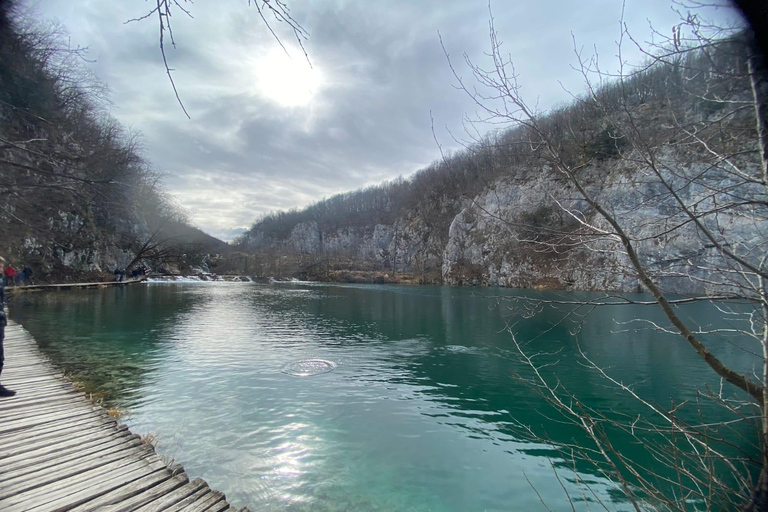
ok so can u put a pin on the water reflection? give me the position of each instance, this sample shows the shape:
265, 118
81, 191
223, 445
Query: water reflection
109, 340
422, 410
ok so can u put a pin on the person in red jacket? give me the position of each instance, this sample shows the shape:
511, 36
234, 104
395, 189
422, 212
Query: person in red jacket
10, 275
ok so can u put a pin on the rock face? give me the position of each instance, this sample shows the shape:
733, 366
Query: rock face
376, 244
55, 223
529, 232
531, 235
63, 214
79, 248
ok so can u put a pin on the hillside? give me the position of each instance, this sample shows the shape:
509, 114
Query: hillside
675, 135
77, 197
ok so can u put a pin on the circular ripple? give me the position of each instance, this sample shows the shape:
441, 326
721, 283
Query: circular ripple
309, 367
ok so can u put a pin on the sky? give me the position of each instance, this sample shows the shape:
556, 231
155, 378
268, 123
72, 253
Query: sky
270, 131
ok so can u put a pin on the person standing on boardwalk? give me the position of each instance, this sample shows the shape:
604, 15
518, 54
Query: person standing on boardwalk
25, 276
4, 392
10, 275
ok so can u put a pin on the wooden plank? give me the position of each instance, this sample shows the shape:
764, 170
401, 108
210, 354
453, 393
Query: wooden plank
139, 493
37, 403
41, 401
208, 501
17, 440
42, 374
62, 495
190, 500
52, 427
50, 470
177, 495
42, 409
27, 388
48, 397
220, 506
37, 383
24, 423
33, 392
54, 452
140, 490
59, 440
69, 474
41, 377
29, 366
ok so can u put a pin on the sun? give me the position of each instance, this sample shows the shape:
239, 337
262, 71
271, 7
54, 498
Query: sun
288, 80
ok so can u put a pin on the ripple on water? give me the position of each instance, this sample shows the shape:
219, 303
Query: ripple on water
309, 367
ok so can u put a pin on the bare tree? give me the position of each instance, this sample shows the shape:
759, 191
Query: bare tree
684, 135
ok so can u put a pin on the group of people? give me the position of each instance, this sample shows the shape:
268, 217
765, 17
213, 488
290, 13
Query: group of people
136, 272
12, 277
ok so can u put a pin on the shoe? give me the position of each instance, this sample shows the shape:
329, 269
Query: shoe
5, 392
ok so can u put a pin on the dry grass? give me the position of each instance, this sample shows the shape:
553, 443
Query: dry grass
150, 439
97, 397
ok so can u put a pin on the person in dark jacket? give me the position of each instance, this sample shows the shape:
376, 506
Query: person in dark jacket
4, 392
26, 275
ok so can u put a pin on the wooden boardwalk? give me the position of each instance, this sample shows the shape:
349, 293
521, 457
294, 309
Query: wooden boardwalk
61, 452
70, 286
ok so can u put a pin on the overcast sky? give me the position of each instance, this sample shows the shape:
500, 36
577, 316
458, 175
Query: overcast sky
268, 132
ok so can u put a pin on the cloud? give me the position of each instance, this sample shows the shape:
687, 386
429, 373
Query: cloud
384, 77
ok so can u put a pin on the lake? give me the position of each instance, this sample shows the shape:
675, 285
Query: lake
301, 396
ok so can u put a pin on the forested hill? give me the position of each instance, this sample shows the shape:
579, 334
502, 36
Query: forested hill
503, 212
77, 197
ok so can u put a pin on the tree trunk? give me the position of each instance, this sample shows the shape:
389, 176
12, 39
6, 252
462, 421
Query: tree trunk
759, 499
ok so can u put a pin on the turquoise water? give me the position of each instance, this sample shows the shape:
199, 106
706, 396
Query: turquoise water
421, 406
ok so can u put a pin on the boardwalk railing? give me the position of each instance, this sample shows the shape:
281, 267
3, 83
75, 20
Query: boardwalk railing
61, 452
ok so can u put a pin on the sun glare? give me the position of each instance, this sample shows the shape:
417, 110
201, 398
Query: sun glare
288, 80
